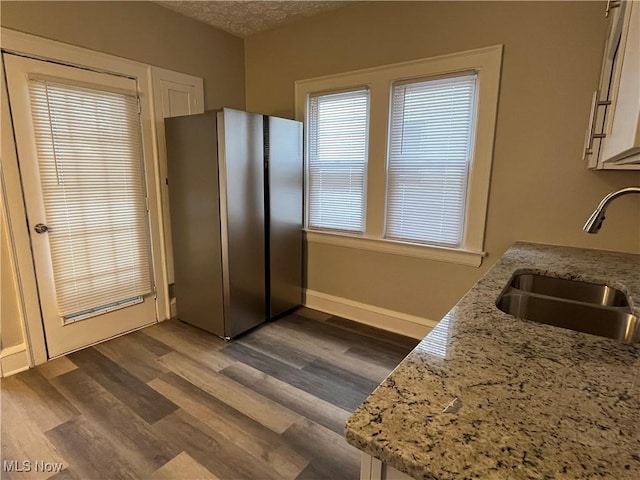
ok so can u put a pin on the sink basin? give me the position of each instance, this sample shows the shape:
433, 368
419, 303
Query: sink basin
570, 290
580, 306
581, 317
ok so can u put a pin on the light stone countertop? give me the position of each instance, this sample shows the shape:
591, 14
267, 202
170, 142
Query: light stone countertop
538, 402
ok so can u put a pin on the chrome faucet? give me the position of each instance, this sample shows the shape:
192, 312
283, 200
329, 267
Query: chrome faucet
597, 217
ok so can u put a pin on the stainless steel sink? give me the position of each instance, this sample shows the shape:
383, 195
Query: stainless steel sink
570, 290
581, 306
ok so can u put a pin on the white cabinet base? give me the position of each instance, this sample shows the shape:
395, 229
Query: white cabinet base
373, 469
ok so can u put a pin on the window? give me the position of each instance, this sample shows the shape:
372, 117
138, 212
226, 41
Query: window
420, 185
430, 148
337, 159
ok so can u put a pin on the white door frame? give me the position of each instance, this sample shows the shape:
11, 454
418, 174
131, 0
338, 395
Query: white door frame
38, 47
160, 77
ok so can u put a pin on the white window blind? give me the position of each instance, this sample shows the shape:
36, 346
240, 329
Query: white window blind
91, 169
431, 140
337, 164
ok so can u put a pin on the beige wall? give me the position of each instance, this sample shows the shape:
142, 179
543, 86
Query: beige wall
145, 32
540, 190
141, 31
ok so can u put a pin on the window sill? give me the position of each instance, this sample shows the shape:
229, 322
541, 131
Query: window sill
428, 252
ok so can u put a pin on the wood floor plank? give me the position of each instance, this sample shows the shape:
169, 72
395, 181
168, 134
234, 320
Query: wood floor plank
382, 358
138, 396
333, 340
149, 343
302, 336
342, 336
232, 425
90, 453
221, 457
198, 335
403, 341
183, 466
139, 445
134, 357
191, 342
309, 350
312, 314
66, 474
55, 367
296, 400
303, 343
323, 470
363, 367
173, 401
266, 412
22, 437
338, 394
334, 457
195, 336
330, 372
46, 407
264, 343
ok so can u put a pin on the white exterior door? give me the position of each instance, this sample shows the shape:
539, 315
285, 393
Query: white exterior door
175, 94
78, 136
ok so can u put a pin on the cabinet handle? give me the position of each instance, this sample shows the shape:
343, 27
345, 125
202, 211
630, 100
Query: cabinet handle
591, 129
611, 4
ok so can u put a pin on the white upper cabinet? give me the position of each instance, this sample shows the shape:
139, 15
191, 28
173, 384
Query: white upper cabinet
613, 133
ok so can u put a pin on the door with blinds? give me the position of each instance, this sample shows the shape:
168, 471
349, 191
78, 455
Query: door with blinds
78, 135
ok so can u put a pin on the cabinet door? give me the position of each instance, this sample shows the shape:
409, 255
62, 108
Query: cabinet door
613, 138
622, 123
175, 94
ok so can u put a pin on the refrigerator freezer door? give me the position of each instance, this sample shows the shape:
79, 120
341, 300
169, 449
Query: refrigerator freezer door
192, 163
285, 173
240, 150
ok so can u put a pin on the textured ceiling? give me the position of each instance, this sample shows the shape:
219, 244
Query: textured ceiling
246, 17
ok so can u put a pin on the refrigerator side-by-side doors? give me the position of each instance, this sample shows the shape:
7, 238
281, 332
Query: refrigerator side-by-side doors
235, 188
192, 163
241, 170
285, 210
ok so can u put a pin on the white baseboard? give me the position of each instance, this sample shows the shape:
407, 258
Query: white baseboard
14, 359
397, 322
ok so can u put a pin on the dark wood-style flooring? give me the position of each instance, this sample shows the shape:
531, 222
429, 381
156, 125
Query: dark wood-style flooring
174, 402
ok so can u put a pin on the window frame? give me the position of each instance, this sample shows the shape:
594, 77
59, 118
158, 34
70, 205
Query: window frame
487, 63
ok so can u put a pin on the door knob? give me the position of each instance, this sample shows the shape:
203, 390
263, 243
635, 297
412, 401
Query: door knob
41, 228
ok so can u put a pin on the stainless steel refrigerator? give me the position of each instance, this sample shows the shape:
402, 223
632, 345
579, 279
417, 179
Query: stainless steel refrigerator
235, 189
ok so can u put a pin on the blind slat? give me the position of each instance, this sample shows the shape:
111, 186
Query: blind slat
430, 149
91, 170
338, 133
